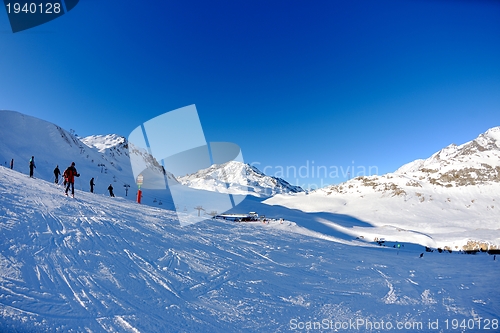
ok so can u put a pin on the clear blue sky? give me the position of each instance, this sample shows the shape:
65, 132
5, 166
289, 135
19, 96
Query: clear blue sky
380, 83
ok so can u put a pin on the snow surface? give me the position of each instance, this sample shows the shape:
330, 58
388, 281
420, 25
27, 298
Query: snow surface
100, 264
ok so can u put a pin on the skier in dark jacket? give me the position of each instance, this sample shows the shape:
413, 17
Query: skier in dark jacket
110, 189
92, 184
69, 176
32, 165
57, 173
12, 163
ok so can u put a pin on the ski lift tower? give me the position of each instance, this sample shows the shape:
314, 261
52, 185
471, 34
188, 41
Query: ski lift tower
199, 208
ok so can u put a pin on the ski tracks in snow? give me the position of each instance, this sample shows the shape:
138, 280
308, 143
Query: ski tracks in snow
99, 264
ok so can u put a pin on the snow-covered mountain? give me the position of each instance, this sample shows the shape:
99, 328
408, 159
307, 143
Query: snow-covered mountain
472, 163
238, 178
24, 136
232, 177
101, 264
105, 142
102, 157
107, 159
113, 145
451, 198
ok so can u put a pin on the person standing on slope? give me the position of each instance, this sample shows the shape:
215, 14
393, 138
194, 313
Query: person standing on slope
69, 177
32, 166
57, 173
110, 189
92, 184
12, 164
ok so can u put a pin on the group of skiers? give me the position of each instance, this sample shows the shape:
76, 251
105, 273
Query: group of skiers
69, 177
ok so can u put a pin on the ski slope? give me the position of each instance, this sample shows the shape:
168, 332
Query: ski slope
457, 218
100, 264
23, 136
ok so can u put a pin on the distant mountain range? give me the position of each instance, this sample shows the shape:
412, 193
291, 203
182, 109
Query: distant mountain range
476, 162
450, 199
473, 163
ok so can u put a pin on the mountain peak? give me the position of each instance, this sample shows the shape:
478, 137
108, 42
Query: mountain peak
474, 162
237, 178
103, 142
493, 132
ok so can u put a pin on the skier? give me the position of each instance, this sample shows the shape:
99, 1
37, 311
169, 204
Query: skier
92, 184
57, 173
32, 166
110, 189
69, 177
12, 164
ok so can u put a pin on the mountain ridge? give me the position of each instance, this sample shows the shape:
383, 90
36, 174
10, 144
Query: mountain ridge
474, 162
451, 196
238, 178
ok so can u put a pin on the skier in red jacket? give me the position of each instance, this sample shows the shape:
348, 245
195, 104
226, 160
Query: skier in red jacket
69, 176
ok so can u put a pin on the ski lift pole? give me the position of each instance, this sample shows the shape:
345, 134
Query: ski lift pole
126, 189
140, 180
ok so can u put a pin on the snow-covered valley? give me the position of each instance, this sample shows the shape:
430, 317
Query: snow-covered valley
449, 200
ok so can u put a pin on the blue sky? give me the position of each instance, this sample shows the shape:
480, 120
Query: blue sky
380, 83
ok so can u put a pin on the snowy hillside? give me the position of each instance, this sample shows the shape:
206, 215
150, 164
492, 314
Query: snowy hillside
451, 199
238, 178
100, 264
23, 136
104, 158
